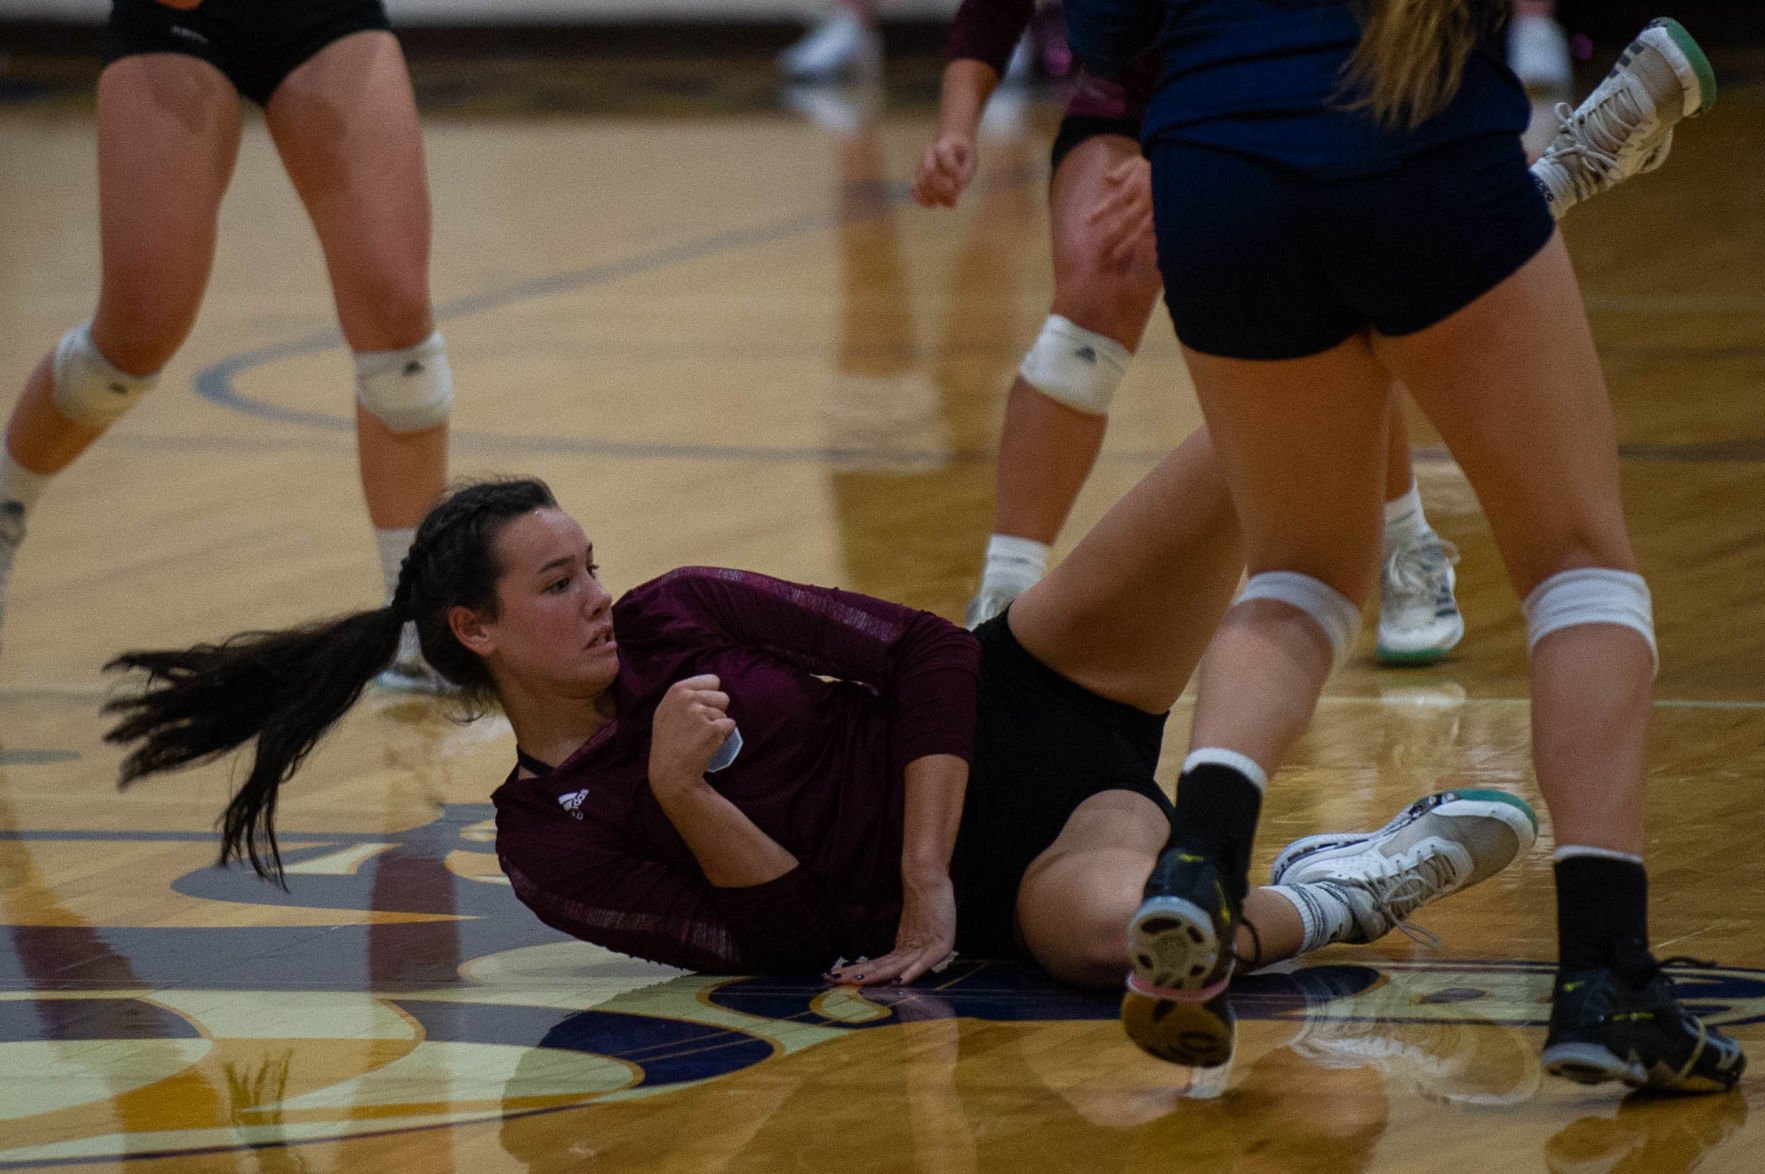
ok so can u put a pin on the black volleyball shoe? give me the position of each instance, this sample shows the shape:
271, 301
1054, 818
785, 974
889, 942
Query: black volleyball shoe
1625, 1023
1180, 948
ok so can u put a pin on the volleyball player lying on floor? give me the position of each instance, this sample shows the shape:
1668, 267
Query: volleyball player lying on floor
727, 772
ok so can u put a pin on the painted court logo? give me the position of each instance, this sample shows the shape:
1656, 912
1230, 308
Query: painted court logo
452, 1006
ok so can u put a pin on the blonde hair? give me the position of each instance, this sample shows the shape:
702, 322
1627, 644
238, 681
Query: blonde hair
1411, 58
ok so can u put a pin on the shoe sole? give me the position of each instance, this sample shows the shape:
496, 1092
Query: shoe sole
1592, 1064
1410, 658
1472, 803
1390, 654
1195, 1034
1172, 946
1688, 61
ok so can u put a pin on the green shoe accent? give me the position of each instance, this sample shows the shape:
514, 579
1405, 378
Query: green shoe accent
1694, 53
1489, 795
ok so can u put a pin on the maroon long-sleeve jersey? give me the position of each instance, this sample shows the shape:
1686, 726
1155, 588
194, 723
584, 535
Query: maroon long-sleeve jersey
988, 31
833, 694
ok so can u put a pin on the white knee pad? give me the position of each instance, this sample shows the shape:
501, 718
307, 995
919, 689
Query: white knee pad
1591, 595
88, 388
408, 390
1078, 367
1333, 611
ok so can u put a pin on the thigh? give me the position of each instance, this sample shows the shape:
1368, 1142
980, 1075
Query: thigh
1111, 298
1128, 613
1301, 443
168, 137
1077, 896
345, 123
1513, 383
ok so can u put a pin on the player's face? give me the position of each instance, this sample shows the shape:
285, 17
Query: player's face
553, 631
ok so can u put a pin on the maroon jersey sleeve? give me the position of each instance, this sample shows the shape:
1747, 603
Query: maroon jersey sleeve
595, 888
924, 667
988, 31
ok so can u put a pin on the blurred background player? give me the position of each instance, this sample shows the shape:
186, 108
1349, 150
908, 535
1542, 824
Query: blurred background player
337, 100
1538, 49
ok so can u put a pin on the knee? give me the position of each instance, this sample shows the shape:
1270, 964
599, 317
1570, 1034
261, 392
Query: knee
138, 332
88, 387
409, 389
1082, 943
386, 308
1074, 366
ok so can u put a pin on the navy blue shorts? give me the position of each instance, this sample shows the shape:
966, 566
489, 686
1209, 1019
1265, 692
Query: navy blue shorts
256, 43
1262, 262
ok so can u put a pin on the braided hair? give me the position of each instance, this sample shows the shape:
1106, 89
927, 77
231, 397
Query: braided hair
285, 689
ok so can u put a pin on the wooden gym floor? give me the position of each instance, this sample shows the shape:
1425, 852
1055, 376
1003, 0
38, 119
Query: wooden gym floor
721, 331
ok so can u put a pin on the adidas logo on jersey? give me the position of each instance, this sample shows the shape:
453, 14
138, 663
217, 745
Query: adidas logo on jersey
573, 802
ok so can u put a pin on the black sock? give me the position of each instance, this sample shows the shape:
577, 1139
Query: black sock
1216, 815
1602, 911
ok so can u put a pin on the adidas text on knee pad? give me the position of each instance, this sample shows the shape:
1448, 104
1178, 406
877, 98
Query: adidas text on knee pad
88, 388
408, 390
1080, 368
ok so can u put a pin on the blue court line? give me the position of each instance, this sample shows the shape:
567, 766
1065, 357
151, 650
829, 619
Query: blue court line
216, 382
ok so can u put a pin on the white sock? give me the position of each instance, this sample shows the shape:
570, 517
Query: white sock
394, 545
1404, 520
19, 484
1014, 564
1324, 914
1570, 851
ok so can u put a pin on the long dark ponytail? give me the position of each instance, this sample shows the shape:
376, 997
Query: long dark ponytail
285, 689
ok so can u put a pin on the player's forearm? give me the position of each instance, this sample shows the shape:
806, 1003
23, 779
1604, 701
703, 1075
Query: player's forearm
936, 786
968, 84
731, 849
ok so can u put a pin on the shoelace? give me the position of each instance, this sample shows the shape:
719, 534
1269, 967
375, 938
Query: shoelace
1603, 132
1403, 883
1415, 569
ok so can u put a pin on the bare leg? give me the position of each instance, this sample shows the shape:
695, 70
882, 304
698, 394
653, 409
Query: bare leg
1400, 474
345, 123
1514, 385
168, 135
1129, 612
1302, 442
1075, 900
1047, 449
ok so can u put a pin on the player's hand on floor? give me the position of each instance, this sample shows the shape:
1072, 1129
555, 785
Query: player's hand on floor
925, 941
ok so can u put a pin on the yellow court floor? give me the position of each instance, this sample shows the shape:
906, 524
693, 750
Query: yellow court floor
728, 337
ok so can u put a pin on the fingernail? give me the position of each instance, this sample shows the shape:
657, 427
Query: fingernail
857, 978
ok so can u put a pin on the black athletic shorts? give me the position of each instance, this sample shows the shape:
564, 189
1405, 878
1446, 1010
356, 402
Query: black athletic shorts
1076, 128
1263, 262
1043, 745
256, 43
